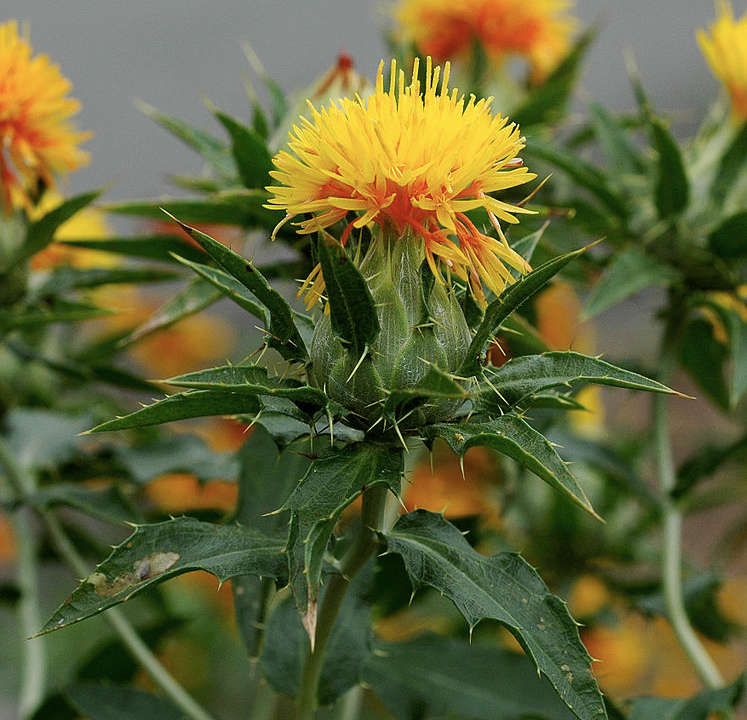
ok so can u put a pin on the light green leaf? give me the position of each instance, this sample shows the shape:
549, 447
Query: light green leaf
328, 487
510, 300
157, 552
447, 677
284, 335
522, 377
194, 298
58, 310
249, 151
503, 588
111, 702
512, 436
106, 503
230, 287
64, 279
526, 245
612, 135
352, 308
629, 272
700, 707
192, 404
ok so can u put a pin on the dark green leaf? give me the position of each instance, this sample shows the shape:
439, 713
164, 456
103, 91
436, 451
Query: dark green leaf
705, 462
524, 376
106, 503
249, 151
41, 232
503, 588
512, 436
55, 311
704, 358
730, 166
64, 279
352, 308
230, 287
629, 272
284, 335
160, 551
729, 239
328, 487
435, 676
737, 327
436, 385
182, 406
672, 185
109, 702
146, 247
700, 707
510, 300
548, 102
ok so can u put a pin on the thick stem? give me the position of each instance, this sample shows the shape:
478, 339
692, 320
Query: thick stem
34, 665
672, 529
121, 625
372, 518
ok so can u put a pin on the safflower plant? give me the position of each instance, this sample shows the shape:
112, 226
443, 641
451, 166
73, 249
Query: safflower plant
411, 277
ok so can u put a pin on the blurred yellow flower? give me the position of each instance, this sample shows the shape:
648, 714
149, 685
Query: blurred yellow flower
725, 48
538, 30
179, 492
408, 162
38, 141
588, 596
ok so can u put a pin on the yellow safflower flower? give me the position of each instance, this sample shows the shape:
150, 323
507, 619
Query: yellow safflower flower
37, 139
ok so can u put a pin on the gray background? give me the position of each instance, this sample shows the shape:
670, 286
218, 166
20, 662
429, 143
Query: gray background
173, 52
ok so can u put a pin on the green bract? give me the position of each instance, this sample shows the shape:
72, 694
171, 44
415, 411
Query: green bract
422, 328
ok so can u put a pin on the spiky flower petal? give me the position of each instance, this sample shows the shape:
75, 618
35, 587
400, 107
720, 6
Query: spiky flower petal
408, 159
725, 49
538, 30
37, 140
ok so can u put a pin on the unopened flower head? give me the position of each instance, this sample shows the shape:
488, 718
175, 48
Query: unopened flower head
413, 161
37, 138
538, 30
725, 47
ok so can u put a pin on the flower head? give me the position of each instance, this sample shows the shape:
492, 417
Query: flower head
539, 30
410, 163
37, 139
725, 49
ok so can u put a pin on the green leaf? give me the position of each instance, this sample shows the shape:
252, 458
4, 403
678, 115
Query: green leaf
352, 308
700, 707
526, 245
548, 102
287, 644
41, 232
704, 358
705, 462
177, 453
64, 279
328, 487
266, 479
214, 151
619, 150
728, 239
512, 298
738, 346
438, 676
253, 380
145, 247
512, 436
106, 503
284, 335
182, 406
243, 209
194, 298
730, 167
524, 376
230, 287
56, 310
503, 588
249, 151
436, 385
581, 172
672, 185
109, 702
157, 552
629, 272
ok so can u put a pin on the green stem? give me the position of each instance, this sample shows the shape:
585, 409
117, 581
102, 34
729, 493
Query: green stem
672, 522
34, 666
372, 518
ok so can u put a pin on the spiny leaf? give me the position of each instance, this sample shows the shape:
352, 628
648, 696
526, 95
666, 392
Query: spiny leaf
436, 385
249, 151
284, 335
352, 308
196, 403
503, 588
512, 436
157, 552
510, 300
